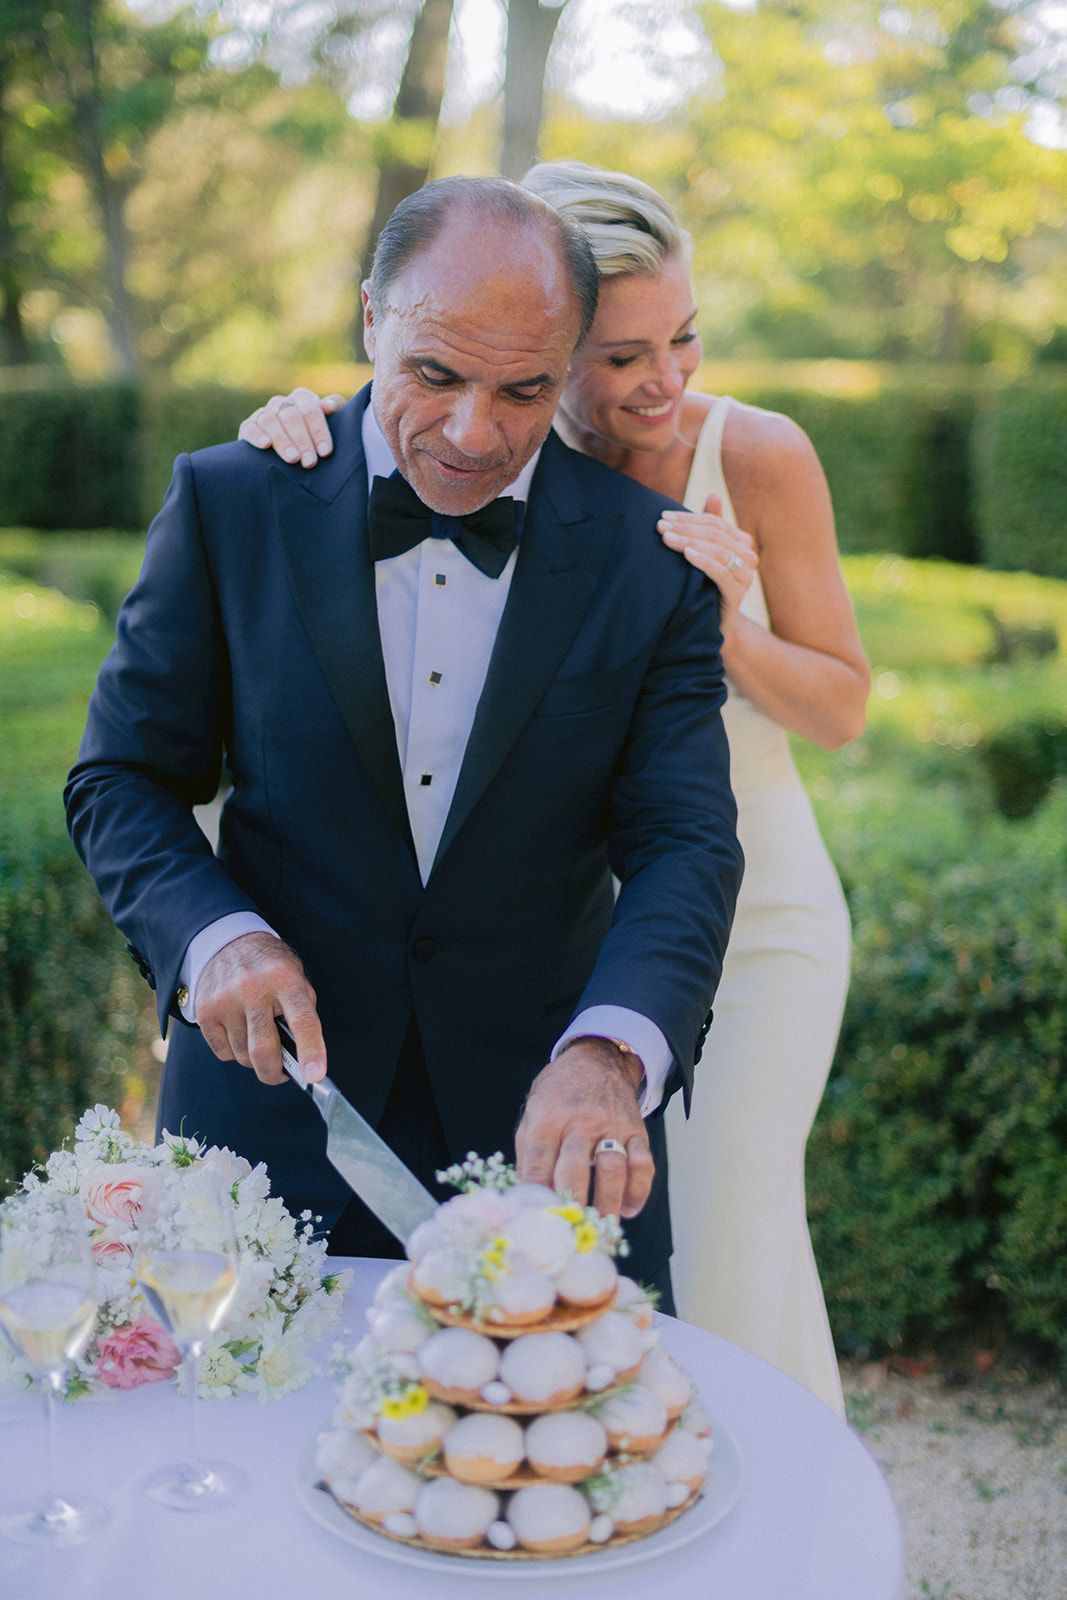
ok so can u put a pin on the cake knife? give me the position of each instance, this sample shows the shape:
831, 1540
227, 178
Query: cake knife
362, 1157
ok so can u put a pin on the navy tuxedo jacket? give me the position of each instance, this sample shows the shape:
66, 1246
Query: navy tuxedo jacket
252, 637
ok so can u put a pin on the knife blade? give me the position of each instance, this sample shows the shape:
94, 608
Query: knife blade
366, 1163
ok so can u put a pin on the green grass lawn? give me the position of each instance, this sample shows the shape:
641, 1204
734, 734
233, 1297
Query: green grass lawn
946, 679
58, 597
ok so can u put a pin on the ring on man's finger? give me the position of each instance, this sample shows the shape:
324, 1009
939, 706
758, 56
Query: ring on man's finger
609, 1147
733, 561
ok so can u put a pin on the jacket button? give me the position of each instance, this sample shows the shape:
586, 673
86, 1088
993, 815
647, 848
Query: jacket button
424, 949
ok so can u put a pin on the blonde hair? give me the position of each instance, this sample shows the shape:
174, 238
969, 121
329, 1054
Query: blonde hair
630, 228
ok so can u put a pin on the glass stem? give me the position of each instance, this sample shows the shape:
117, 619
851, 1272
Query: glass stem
49, 1388
192, 1383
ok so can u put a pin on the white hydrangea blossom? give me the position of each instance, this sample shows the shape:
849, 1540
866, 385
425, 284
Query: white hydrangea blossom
287, 1297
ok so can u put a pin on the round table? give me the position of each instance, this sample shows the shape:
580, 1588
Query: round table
814, 1519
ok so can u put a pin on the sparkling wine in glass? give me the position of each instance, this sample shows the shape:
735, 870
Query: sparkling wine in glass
47, 1315
187, 1268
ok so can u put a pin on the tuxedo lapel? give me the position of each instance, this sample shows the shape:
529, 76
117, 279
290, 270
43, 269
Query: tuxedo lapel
321, 519
561, 556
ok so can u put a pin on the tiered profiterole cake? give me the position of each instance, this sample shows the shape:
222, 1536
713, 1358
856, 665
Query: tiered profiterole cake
512, 1400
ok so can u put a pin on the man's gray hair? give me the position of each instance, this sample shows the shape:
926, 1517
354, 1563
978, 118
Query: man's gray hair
418, 219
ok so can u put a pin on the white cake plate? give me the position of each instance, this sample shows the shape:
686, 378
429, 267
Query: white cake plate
721, 1489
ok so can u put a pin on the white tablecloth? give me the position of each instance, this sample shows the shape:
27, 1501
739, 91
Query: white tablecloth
814, 1520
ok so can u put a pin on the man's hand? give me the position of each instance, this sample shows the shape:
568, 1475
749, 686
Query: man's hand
242, 989
587, 1094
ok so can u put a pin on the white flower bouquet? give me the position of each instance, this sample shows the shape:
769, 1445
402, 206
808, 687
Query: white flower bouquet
287, 1297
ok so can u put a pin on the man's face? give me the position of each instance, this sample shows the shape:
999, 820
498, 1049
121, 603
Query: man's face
470, 357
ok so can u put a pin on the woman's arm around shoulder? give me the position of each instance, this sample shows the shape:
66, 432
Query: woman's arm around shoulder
809, 673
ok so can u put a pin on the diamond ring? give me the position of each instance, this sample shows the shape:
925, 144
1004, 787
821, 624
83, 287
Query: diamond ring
609, 1147
733, 561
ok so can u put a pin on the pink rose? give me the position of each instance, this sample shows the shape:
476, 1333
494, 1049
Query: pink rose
139, 1352
114, 1195
108, 1250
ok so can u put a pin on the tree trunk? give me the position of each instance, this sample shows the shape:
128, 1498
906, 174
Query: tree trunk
407, 145
531, 29
15, 349
109, 194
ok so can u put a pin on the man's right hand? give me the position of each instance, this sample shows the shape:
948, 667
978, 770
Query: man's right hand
242, 989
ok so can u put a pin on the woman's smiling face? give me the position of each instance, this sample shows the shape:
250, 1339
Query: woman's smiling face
627, 378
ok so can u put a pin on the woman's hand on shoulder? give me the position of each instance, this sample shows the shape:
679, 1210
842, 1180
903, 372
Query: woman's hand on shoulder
810, 672
293, 425
724, 553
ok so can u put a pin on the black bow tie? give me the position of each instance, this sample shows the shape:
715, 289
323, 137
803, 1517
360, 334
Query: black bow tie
398, 521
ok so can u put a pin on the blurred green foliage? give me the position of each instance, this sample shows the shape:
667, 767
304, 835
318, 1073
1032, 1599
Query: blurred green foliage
70, 455
938, 1164
191, 192
937, 1168
1020, 463
69, 997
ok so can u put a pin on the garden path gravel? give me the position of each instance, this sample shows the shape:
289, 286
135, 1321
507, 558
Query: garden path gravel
977, 1465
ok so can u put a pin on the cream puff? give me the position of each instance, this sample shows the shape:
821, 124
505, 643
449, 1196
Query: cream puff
551, 1518
457, 1363
343, 1453
662, 1374
441, 1277
455, 1516
566, 1446
416, 1437
399, 1325
635, 1419
384, 1488
543, 1368
635, 1302
683, 1458
613, 1341
539, 1240
483, 1448
587, 1279
517, 1299
635, 1497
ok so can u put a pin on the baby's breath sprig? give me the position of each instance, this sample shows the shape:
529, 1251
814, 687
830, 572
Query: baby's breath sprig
592, 1403
476, 1173
602, 1489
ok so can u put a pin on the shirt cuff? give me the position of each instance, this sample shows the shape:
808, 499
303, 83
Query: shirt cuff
641, 1034
207, 943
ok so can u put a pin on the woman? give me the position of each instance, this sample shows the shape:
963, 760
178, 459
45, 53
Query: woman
743, 1265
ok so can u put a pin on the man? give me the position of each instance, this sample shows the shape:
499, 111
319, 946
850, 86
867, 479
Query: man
437, 762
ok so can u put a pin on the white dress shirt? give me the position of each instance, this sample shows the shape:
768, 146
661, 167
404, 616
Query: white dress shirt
438, 617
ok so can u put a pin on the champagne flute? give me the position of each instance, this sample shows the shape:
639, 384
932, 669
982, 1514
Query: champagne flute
47, 1315
187, 1267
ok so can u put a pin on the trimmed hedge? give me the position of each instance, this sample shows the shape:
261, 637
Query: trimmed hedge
896, 463
174, 420
70, 457
1020, 474
100, 455
937, 1169
68, 996
924, 463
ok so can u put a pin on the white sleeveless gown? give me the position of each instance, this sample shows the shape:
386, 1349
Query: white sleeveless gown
743, 1265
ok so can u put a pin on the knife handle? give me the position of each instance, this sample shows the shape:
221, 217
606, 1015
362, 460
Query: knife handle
289, 1056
